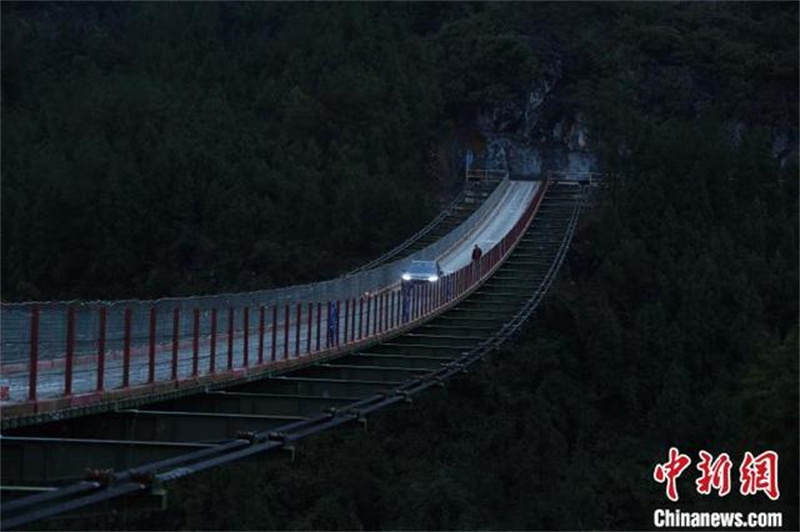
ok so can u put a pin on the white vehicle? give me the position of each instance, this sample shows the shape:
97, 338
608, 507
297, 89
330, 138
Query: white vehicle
422, 271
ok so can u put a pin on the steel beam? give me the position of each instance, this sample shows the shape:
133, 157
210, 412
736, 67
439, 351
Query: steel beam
417, 349
164, 426
472, 330
347, 370
227, 402
318, 386
396, 361
447, 340
56, 460
291, 403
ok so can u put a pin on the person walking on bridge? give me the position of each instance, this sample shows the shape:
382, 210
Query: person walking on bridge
477, 253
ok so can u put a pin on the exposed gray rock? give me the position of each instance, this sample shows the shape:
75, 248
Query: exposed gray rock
578, 134
497, 154
533, 134
538, 93
780, 143
736, 130
523, 158
521, 115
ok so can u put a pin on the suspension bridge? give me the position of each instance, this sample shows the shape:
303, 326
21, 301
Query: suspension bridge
115, 399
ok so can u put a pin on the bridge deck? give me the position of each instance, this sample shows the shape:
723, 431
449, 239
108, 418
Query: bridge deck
290, 405
202, 346
461, 208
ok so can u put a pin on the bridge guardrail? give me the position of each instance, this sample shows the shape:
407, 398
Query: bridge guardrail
415, 237
15, 318
483, 175
141, 344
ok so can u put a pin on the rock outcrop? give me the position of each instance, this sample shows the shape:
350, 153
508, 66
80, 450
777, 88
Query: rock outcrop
534, 133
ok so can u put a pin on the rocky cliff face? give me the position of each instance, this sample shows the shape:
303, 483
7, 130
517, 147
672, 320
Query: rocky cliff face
783, 140
534, 134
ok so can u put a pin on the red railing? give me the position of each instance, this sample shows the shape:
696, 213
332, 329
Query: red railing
378, 315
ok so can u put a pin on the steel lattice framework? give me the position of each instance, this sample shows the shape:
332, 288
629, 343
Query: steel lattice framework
152, 440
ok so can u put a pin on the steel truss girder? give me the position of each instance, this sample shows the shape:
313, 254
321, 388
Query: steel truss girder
374, 395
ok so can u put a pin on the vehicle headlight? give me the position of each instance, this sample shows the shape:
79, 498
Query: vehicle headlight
406, 277
433, 278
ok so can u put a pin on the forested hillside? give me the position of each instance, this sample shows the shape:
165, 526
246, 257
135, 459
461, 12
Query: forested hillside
673, 323
242, 136
153, 150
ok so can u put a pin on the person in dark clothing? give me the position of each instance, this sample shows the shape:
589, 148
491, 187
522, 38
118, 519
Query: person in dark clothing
477, 253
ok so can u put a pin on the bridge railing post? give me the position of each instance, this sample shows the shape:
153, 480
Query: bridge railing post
391, 310
428, 298
70, 351
380, 313
319, 325
376, 315
246, 336
360, 318
398, 311
286, 331
327, 325
260, 334
273, 346
176, 339
299, 320
337, 325
353, 320
369, 324
367, 317
34, 353
346, 318
196, 342
308, 332
126, 351
101, 349
386, 309
151, 350
231, 333
212, 355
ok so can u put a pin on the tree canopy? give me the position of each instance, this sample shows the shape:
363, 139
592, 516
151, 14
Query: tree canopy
154, 149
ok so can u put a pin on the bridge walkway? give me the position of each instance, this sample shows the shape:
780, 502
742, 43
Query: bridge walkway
460, 208
161, 441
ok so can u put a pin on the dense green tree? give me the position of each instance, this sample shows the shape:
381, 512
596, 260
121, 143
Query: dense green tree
140, 162
156, 149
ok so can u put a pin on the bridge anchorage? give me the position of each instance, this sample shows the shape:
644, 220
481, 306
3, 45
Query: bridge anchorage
384, 353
